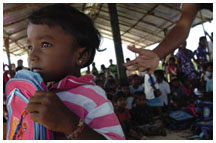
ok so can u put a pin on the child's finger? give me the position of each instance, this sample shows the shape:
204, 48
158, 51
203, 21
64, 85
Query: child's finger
33, 107
40, 93
36, 99
35, 117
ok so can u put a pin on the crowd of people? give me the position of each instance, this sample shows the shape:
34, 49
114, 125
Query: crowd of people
168, 89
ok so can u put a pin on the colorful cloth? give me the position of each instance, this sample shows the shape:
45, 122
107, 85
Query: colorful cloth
124, 116
186, 64
90, 103
201, 54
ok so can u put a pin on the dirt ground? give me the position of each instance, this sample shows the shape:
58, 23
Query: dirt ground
173, 135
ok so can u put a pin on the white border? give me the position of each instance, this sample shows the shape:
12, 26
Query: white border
104, 1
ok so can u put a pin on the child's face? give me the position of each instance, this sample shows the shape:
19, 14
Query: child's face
135, 81
125, 90
121, 102
51, 52
140, 100
203, 43
187, 83
176, 84
210, 69
158, 78
172, 62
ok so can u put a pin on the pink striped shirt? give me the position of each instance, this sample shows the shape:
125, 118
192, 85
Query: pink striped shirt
89, 102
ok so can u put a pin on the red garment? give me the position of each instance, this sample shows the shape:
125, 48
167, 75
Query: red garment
123, 116
187, 91
5, 77
173, 68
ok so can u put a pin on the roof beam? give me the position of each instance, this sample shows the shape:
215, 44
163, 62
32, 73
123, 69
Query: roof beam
131, 18
139, 11
123, 24
152, 9
17, 31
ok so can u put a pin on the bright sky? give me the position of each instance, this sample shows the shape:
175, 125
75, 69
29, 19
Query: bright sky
103, 57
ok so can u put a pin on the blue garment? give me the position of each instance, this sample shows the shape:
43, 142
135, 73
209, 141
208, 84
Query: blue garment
201, 54
186, 63
209, 85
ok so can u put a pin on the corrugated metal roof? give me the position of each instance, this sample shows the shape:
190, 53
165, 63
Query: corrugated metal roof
141, 24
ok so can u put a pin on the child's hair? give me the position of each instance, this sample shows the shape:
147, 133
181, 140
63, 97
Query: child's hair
136, 95
72, 21
159, 73
118, 95
109, 82
201, 38
133, 76
209, 64
175, 79
171, 59
124, 84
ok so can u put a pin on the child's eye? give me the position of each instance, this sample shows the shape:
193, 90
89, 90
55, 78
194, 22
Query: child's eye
29, 47
45, 45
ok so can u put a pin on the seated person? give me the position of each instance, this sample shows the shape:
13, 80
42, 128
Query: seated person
135, 84
124, 87
178, 95
124, 117
141, 117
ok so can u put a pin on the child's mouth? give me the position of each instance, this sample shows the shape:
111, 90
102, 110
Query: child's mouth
37, 70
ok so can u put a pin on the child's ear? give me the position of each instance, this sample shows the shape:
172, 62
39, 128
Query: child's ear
83, 57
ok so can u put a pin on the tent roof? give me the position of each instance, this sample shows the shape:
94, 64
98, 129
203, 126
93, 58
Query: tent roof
141, 24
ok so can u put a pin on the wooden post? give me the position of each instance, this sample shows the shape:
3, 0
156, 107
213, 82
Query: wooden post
6, 42
117, 42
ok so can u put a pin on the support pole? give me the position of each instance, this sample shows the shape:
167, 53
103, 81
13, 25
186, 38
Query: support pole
6, 42
117, 42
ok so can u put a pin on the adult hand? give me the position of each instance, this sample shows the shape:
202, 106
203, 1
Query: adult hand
47, 109
147, 60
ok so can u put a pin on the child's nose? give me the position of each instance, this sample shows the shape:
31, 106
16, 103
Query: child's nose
34, 54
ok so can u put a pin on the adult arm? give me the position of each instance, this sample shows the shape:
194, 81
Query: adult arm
180, 32
147, 59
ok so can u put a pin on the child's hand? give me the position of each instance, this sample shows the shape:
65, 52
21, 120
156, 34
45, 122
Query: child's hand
47, 109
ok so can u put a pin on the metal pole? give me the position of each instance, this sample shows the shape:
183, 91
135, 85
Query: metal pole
117, 42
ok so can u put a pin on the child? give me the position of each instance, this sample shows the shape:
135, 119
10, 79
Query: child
135, 84
178, 95
209, 77
141, 117
124, 87
172, 68
187, 87
110, 88
163, 86
61, 41
124, 116
141, 113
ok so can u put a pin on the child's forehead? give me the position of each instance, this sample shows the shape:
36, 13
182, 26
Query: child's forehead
41, 31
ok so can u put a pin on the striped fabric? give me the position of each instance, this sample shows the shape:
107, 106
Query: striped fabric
90, 103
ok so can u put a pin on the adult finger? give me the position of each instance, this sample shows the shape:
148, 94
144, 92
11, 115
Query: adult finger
133, 68
150, 70
142, 69
129, 63
135, 50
